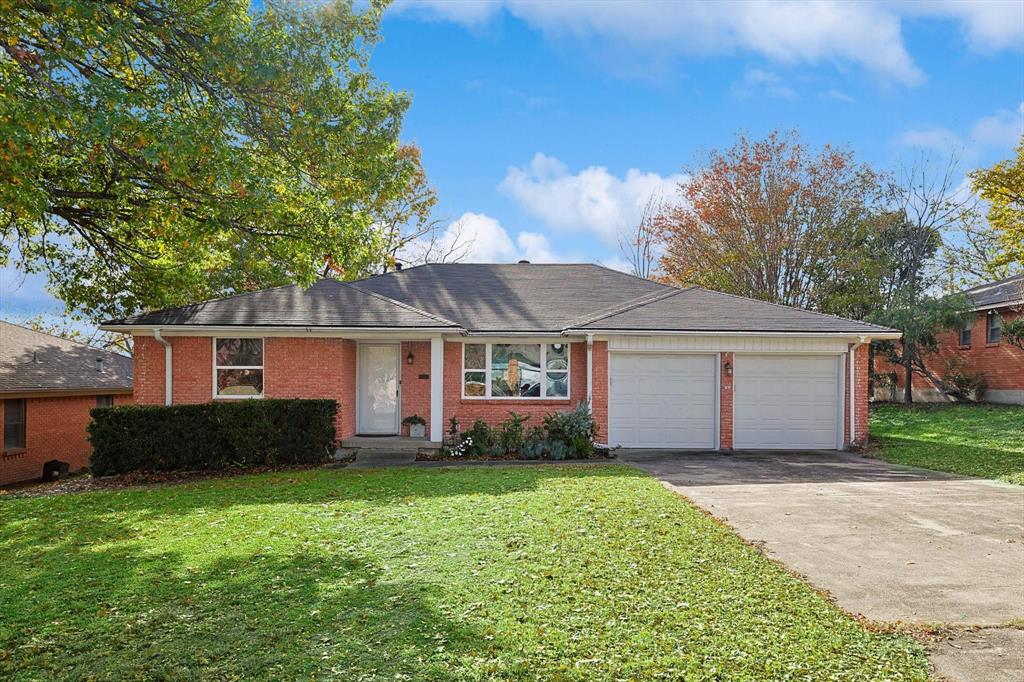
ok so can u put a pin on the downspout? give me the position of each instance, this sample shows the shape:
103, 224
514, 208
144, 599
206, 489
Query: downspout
168, 368
853, 390
590, 371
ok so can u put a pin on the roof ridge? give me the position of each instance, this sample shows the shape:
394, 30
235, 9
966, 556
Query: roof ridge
631, 304
801, 310
401, 304
634, 276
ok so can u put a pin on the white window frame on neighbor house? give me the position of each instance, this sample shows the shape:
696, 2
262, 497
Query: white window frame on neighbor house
487, 370
261, 368
993, 322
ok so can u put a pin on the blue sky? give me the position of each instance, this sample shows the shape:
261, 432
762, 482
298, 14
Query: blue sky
545, 126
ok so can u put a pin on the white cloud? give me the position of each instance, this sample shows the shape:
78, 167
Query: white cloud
593, 200
789, 32
988, 25
837, 95
469, 13
618, 263
1001, 129
535, 247
758, 82
936, 138
479, 238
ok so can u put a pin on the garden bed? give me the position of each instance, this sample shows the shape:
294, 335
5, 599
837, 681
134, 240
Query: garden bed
602, 454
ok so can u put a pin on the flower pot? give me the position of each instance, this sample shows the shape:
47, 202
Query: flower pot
417, 430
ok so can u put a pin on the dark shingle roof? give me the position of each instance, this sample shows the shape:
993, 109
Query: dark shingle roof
328, 303
701, 310
1007, 291
32, 361
516, 297
487, 298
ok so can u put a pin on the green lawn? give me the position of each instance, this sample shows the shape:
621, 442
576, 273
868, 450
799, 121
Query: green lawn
973, 440
547, 573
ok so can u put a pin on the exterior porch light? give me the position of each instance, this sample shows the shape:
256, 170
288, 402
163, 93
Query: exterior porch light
409, 358
728, 369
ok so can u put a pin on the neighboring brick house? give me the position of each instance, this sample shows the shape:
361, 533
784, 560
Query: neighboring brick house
661, 367
47, 387
979, 345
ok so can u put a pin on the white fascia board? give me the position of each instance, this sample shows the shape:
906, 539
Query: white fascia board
852, 336
397, 333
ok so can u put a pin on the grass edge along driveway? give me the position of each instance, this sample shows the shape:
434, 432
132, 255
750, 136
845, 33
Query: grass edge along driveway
985, 440
550, 573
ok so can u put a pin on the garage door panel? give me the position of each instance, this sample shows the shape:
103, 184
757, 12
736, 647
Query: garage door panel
662, 401
785, 402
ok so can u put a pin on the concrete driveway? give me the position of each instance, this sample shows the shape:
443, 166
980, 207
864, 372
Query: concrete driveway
889, 542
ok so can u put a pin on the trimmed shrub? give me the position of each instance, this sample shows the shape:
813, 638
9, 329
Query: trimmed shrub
216, 435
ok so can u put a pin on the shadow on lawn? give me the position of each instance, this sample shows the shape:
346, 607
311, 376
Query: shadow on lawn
85, 595
54, 517
963, 460
86, 612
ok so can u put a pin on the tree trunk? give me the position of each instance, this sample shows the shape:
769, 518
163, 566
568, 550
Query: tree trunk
908, 376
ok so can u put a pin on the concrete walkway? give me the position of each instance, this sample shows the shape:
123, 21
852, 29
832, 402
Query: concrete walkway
889, 542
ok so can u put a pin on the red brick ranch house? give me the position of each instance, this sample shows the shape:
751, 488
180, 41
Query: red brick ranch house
48, 385
980, 346
662, 367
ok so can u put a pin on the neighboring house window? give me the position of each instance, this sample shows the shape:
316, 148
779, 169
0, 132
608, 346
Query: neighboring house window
965, 333
994, 328
104, 401
515, 370
238, 368
14, 424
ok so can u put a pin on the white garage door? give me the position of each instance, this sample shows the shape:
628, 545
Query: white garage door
662, 401
786, 402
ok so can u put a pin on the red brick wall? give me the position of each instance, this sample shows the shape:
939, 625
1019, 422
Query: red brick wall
495, 411
861, 400
148, 370
192, 369
416, 391
600, 388
293, 368
725, 404
1002, 363
311, 368
54, 429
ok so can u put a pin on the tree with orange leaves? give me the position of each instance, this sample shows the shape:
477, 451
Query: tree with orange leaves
776, 221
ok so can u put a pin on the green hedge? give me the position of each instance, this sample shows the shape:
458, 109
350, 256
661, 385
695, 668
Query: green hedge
216, 435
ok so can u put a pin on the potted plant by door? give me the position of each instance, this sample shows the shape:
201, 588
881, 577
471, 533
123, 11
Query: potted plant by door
417, 426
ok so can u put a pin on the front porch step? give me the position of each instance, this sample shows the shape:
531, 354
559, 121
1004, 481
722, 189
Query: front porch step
394, 444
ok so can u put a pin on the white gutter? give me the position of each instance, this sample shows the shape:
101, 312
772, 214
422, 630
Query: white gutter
799, 335
168, 367
200, 329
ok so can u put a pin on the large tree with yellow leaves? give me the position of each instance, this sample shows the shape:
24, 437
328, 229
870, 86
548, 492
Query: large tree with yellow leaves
1002, 186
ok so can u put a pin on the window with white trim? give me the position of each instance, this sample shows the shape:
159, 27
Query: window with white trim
238, 368
994, 327
515, 370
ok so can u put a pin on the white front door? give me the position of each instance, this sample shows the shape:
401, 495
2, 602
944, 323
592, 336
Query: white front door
786, 402
378, 388
662, 401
